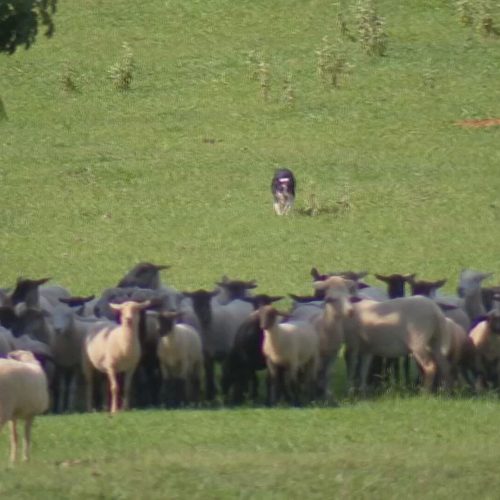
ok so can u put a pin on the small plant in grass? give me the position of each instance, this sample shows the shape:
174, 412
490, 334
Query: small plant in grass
371, 28
254, 58
315, 204
332, 63
485, 23
121, 72
465, 12
264, 72
429, 75
68, 79
344, 30
289, 95
3, 113
478, 14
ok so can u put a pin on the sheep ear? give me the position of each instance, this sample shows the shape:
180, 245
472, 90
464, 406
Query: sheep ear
315, 274
439, 283
355, 300
41, 281
162, 267
254, 315
116, 307
302, 299
275, 298
76, 301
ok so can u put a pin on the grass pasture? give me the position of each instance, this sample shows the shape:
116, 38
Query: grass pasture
177, 169
392, 448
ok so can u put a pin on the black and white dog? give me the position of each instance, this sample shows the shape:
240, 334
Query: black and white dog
283, 189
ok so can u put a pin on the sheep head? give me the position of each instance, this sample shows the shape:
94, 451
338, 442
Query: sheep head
129, 311
395, 283
470, 282
143, 275
261, 300
202, 305
425, 288
340, 305
27, 291
268, 316
166, 321
494, 322
235, 289
23, 356
76, 301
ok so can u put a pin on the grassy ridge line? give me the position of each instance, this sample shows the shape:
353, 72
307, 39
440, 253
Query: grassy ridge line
103, 163
425, 448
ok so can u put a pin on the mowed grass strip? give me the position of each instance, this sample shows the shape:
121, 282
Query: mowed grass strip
419, 447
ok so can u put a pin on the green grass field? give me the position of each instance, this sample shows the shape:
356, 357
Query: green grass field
418, 448
177, 171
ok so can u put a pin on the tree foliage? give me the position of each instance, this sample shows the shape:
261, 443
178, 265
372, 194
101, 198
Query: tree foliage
20, 21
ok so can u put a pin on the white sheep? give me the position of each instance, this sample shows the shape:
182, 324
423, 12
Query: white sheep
394, 328
456, 348
291, 350
485, 337
23, 395
181, 357
328, 323
113, 349
469, 289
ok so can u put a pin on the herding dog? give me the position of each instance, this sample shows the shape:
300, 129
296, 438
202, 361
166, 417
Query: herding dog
283, 189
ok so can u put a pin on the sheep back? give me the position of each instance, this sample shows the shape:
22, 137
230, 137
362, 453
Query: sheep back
23, 389
180, 352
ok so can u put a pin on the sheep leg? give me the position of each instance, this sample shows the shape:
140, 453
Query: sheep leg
351, 357
56, 393
406, 366
254, 380
376, 374
209, 378
182, 390
13, 440
291, 387
428, 367
272, 383
67, 380
113, 387
126, 390
176, 391
195, 389
366, 361
89, 383
28, 423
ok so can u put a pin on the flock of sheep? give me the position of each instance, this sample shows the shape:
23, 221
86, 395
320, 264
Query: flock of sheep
147, 344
